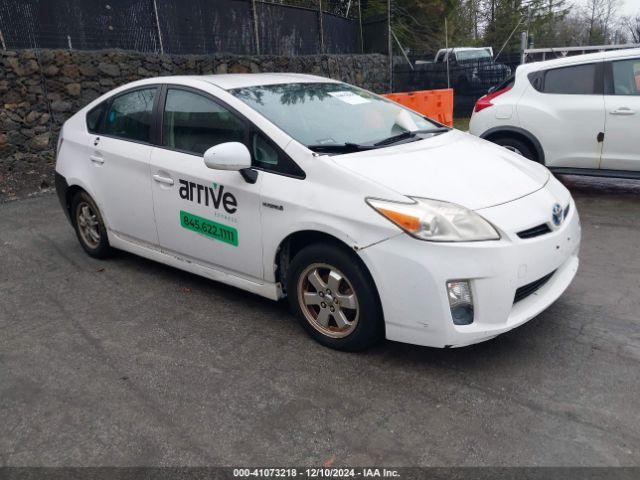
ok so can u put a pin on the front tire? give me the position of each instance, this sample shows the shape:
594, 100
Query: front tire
517, 146
89, 226
334, 298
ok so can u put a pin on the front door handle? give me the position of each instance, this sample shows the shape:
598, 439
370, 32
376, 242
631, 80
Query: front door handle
96, 159
623, 111
164, 180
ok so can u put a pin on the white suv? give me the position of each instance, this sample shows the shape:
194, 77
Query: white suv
578, 115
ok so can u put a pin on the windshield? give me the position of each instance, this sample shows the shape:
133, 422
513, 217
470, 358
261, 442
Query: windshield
463, 55
325, 114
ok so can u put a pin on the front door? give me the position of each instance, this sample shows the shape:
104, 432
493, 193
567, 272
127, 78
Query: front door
210, 217
621, 149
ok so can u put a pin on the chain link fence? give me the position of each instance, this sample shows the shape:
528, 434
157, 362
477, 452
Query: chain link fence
246, 27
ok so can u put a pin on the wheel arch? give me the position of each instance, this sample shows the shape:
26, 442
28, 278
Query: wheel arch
294, 242
519, 133
67, 188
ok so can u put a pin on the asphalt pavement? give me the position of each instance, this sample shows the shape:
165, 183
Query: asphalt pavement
128, 362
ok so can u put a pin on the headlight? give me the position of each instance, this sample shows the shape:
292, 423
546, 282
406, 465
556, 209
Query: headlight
436, 221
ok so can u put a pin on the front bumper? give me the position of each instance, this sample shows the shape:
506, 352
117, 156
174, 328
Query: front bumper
411, 278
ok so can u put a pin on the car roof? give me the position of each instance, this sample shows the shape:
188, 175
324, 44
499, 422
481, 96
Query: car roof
577, 59
229, 81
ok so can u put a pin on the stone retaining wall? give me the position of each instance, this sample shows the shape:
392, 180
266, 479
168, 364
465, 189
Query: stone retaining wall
40, 89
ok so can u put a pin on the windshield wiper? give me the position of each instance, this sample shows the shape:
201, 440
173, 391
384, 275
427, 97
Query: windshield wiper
339, 147
409, 134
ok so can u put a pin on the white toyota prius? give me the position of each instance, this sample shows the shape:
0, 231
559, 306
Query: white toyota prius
373, 220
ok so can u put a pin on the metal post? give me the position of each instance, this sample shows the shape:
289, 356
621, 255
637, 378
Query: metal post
69, 42
155, 9
4, 45
361, 33
523, 47
255, 26
321, 26
446, 50
390, 46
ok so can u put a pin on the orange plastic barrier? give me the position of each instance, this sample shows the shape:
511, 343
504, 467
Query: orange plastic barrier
435, 104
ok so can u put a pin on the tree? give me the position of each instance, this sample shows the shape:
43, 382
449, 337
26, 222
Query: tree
631, 26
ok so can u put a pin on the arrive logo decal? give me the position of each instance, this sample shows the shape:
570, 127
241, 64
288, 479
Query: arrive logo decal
213, 195
224, 204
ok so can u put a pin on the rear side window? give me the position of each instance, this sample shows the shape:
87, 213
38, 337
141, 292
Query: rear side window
95, 118
194, 123
131, 115
574, 80
626, 77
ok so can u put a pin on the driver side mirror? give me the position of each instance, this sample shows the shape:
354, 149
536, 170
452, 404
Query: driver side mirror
228, 156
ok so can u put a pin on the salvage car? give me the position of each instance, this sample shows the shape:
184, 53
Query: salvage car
373, 220
578, 115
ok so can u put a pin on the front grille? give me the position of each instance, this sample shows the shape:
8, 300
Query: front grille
536, 231
530, 288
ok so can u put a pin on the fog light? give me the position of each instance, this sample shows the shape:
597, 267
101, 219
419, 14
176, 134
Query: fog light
460, 301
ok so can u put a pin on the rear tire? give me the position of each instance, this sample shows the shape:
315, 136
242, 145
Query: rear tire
518, 146
334, 298
89, 226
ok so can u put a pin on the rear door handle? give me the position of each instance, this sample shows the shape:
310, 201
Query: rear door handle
164, 180
623, 111
96, 159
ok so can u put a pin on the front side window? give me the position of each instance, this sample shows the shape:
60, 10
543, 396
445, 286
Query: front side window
626, 77
329, 114
574, 80
131, 114
194, 123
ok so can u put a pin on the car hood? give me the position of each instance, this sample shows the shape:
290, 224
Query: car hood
454, 167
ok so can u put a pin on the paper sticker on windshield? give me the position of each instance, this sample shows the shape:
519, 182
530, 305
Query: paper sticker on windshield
349, 97
209, 228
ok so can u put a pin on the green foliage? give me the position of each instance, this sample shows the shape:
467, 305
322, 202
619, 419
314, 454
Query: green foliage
420, 24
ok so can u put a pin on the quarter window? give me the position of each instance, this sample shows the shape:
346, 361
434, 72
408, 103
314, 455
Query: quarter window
574, 80
266, 156
194, 123
131, 114
626, 77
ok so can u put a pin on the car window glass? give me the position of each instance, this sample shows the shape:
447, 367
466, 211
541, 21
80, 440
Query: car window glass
95, 117
536, 80
574, 80
131, 114
331, 113
264, 154
194, 123
626, 77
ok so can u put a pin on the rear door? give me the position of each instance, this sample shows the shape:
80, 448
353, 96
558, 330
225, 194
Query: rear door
210, 217
564, 110
120, 137
621, 150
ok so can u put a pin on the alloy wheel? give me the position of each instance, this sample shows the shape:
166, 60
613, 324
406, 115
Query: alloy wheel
328, 300
88, 225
